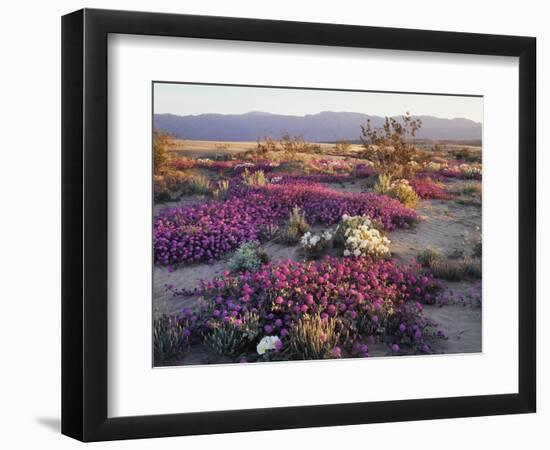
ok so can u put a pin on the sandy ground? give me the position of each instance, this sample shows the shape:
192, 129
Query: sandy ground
443, 225
214, 149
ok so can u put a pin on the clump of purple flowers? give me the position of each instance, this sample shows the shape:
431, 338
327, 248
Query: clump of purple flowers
205, 232
368, 298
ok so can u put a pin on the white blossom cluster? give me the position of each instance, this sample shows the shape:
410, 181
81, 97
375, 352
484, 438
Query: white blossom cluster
310, 241
268, 343
362, 238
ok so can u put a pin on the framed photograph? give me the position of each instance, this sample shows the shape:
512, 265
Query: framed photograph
273, 225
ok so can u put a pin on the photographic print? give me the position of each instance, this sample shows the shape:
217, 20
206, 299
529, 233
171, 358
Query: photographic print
311, 224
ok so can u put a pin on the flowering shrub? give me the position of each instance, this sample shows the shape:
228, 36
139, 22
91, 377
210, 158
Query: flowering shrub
399, 189
362, 238
204, 232
247, 257
365, 297
314, 245
425, 188
402, 191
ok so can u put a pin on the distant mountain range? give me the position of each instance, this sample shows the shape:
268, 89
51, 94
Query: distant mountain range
322, 127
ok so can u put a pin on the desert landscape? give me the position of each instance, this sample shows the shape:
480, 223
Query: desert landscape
437, 235
286, 249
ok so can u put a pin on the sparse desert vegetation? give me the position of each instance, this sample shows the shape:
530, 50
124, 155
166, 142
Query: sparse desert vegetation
284, 249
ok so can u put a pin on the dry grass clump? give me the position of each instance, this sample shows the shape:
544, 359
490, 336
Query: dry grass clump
295, 227
315, 338
450, 269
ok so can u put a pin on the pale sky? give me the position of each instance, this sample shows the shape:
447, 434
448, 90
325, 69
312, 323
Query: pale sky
191, 99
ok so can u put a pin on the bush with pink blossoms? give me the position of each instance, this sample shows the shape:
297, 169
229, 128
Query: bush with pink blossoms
425, 188
363, 298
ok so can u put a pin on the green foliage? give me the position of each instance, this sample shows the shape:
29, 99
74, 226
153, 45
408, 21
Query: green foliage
170, 339
247, 257
295, 227
314, 338
233, 338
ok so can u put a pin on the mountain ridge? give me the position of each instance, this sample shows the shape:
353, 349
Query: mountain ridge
319, 127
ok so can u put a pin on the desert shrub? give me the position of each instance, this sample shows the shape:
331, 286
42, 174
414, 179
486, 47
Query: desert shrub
471, 189
398, 189
477, 246
181, 163
171, 184
315, 245
362, 238
222, 146
429, 256
247, 257
468, 154
312, 337
383, 184
342, 147
369, 183
160, 156
265, 147
388, 147
170, 338
296, 144
234, 336
456, 269
254, 178
220, 191
295, 227
198, 185
402, 191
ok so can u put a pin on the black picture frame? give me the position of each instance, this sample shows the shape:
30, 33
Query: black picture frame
84, 224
